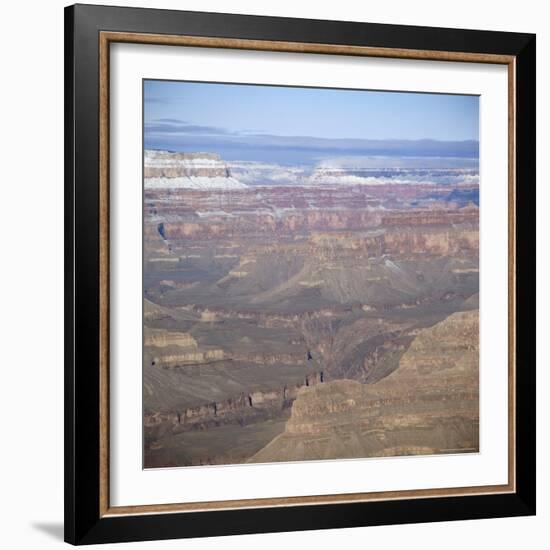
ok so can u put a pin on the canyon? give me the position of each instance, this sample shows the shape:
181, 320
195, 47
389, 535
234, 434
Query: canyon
304, 314
428, 405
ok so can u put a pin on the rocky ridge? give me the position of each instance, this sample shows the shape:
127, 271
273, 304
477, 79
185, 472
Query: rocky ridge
428, 405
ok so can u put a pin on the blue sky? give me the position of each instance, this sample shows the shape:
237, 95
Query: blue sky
247, 120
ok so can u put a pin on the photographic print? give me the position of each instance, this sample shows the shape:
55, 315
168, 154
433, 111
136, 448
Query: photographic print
310, 273
272, 251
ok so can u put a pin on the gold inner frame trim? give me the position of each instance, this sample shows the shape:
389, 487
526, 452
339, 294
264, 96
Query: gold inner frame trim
108, 37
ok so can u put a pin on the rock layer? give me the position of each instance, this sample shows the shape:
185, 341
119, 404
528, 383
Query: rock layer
255, 292
429, 405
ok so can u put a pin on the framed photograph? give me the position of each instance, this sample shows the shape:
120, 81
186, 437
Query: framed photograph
300, 274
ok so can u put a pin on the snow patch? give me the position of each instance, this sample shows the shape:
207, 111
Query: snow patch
194, 182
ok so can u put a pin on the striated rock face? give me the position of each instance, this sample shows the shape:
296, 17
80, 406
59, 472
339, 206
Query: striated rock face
259, 289
179, 358
430, 217
162, 338
428, 405
162, 164
168, 349
441, 242
240, 409
200, 214
354, 171
164, 169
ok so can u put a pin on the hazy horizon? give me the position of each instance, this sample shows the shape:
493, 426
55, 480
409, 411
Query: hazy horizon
290, 125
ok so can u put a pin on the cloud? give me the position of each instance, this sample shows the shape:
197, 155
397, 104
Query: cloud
177, 134
175, 126
171, 120
157, 100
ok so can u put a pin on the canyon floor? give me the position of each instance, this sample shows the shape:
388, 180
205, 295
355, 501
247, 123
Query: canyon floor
306, 322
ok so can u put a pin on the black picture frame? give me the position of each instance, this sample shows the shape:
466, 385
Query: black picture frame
84, 523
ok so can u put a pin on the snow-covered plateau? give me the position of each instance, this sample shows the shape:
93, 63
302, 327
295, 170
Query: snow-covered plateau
199, 170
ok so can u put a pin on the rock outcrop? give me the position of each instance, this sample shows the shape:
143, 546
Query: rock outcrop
259, 285
162, 338
166, 170
429, 405
241, 409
